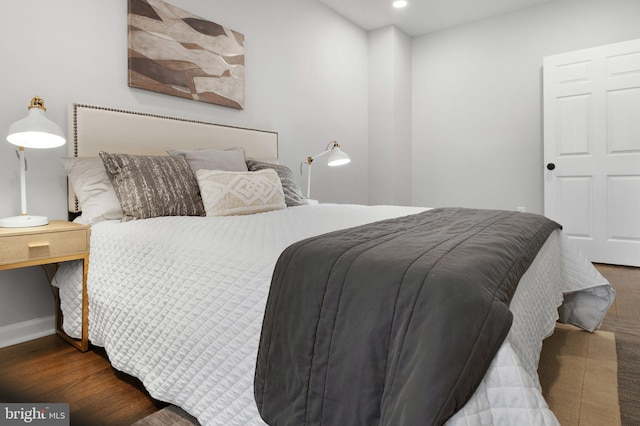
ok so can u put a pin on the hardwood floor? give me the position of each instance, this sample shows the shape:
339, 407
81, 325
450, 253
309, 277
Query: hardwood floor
626, 282
50, 370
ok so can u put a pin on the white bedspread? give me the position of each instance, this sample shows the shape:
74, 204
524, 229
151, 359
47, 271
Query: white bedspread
178, 302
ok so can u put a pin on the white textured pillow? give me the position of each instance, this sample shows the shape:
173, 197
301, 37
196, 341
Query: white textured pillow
235, 193
95, 193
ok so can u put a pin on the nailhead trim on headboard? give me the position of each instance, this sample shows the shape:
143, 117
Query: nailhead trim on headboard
144, 114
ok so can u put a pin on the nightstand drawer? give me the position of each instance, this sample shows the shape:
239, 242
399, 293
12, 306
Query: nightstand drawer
22, 248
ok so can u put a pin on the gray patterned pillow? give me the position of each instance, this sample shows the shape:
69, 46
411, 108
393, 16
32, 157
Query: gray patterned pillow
292, 193
151, 186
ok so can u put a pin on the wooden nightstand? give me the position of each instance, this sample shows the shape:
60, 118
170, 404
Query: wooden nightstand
59, 241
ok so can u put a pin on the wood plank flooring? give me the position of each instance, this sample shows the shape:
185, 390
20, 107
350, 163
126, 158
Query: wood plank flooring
626, 282
50, 370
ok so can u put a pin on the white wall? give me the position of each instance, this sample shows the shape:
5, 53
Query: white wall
306, 77
389, 117
477, 100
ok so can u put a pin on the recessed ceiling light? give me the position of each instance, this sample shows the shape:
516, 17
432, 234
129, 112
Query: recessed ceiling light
399, 4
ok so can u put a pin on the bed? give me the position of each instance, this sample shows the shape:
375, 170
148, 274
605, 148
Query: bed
179, 300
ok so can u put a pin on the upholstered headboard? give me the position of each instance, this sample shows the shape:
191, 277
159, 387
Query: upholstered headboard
93, 129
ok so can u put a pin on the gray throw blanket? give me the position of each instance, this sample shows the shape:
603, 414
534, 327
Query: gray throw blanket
391, 323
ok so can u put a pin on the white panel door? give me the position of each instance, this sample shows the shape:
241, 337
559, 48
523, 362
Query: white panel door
592, 149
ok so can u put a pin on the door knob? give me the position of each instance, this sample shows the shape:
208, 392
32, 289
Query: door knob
551, 166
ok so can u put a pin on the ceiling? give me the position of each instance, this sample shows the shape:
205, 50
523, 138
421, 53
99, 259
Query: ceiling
423, 16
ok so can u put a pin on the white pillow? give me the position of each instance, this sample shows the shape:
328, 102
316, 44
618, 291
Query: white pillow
235, 193
95, 193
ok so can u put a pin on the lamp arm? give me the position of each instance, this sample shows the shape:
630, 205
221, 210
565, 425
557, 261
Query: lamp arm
23, 181
309, 163
330, 146
309, 182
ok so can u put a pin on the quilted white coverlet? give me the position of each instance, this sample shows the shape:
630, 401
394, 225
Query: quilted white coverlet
178, 302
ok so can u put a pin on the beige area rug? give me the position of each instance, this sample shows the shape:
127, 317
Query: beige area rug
628, 350
578, 374
168, 416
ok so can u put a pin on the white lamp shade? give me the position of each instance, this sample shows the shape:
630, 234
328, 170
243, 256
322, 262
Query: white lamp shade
338, 158
36, 131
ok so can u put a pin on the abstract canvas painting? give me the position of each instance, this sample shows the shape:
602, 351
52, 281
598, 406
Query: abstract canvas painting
174, 52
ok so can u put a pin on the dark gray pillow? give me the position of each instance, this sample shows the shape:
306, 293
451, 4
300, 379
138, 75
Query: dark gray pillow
229, 160
151, 186
292, 193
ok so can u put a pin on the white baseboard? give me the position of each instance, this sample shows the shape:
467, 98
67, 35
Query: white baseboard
27, 330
